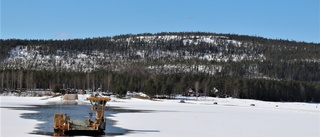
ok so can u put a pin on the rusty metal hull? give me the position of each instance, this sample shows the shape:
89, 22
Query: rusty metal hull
80, 127
83, 133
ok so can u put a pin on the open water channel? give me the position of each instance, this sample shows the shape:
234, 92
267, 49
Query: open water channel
45, 113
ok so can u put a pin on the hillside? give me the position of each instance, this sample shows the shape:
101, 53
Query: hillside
162, 54
214, 54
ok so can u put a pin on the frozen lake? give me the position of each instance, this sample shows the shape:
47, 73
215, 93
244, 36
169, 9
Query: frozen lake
222, 117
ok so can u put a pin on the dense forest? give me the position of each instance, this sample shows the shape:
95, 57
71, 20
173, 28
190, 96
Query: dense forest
165, 84
167, 63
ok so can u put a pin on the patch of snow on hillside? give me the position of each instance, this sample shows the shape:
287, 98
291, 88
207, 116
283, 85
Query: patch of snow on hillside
19, 52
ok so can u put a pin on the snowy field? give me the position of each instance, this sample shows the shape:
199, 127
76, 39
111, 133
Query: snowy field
227, 118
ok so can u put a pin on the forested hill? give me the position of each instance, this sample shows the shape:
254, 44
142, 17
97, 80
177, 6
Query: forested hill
166, 54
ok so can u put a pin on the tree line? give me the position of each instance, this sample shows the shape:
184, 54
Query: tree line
161, 84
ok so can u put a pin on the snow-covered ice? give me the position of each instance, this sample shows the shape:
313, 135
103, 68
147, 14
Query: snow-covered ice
11, 122
228, 118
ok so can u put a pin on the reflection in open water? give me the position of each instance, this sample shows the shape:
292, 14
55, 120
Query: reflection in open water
45, 114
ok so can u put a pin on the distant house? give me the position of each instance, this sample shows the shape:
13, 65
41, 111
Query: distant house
191, 92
